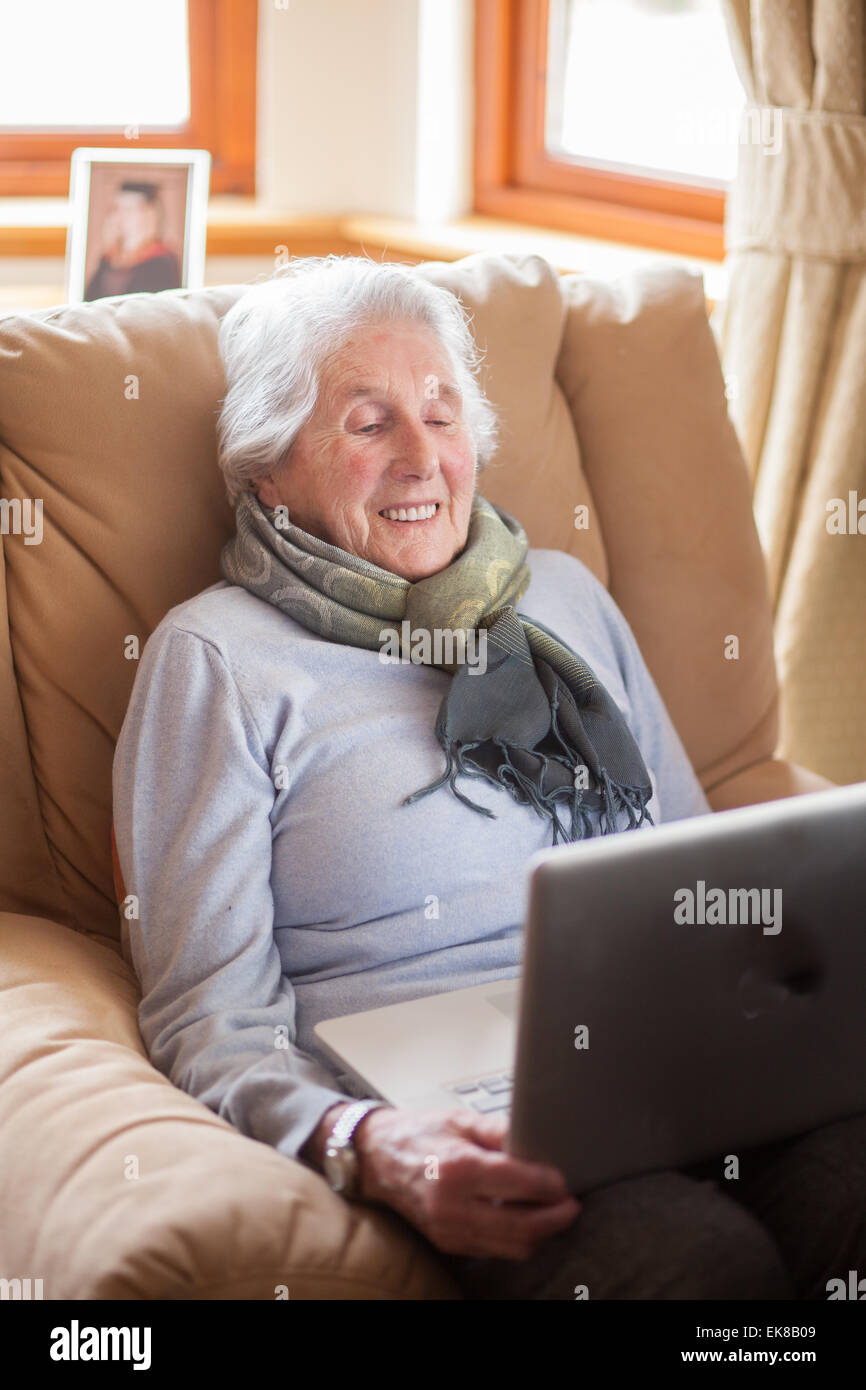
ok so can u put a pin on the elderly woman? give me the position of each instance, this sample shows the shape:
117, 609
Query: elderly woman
287, 800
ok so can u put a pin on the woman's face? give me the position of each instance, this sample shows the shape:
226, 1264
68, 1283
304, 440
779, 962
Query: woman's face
387, 434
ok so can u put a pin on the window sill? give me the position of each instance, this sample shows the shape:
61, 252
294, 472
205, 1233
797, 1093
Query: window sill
242, 227
567, 251
235, 226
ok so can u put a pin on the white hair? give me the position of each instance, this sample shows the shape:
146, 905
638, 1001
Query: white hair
276, 337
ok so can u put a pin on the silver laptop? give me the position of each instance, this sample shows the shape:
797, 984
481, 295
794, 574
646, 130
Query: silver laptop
688, 990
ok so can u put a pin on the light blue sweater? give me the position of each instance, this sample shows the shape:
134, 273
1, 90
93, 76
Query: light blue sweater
257, 787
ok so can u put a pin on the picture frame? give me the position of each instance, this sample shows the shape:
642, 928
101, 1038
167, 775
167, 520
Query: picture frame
138, 221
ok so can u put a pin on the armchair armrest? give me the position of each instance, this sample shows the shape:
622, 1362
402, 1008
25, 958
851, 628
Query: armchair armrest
115, 1184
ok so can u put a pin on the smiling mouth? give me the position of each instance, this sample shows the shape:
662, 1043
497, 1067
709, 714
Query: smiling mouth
426, 512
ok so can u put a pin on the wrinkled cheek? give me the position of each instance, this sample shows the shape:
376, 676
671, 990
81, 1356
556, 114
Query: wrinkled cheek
345, 525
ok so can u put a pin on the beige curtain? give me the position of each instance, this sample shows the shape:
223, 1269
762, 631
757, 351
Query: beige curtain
792, 336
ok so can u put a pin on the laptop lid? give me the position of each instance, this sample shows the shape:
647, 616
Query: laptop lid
693, 989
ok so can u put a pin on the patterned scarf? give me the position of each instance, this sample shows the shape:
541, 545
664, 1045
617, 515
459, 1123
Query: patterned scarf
535, 721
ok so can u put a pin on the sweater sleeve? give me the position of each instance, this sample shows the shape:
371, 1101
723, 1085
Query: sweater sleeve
192, 802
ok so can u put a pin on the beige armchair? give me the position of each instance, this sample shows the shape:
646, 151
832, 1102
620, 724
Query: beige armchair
616, 447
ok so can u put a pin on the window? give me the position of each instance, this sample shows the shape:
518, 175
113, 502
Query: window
613, 118
169, 74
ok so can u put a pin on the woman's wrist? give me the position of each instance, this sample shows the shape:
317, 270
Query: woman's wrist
363, 1139
314, 1150
367, 1138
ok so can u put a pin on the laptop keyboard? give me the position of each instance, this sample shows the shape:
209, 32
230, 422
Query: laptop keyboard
487, 1093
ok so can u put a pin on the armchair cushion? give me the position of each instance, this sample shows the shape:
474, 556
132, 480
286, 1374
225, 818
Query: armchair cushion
114, 1184
641, 371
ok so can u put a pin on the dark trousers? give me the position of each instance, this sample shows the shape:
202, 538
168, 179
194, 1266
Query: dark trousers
793, 1219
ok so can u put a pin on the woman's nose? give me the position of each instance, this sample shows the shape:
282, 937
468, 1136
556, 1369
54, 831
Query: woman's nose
416, 452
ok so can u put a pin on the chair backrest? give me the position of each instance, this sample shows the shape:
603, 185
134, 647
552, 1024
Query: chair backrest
107, 420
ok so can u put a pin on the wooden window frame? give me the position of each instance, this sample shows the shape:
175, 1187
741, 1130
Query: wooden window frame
516, 177
223, 40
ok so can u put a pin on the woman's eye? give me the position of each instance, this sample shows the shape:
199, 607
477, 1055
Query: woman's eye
368, 429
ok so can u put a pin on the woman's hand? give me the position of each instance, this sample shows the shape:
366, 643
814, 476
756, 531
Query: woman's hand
446, 1172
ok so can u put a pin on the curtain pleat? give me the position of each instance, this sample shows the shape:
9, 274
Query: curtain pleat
792, 336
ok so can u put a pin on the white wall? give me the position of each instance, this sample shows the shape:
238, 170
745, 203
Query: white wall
366, 106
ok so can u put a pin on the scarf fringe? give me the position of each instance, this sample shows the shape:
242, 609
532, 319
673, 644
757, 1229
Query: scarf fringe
528, 792
457, 763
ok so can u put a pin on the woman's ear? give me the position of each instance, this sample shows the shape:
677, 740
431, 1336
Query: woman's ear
263, 488
270, 487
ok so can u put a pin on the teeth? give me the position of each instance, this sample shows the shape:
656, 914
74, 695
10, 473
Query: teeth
412, 514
